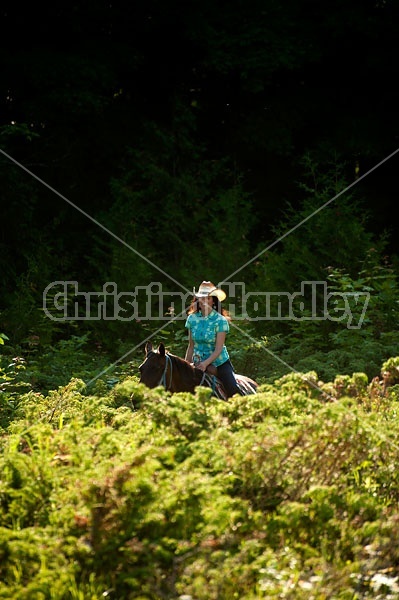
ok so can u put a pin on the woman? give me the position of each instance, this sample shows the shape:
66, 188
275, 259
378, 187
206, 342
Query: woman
207, 325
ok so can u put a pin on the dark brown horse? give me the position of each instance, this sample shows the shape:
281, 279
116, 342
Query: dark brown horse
178, 375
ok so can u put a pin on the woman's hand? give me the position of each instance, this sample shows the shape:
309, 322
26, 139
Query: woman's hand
201, 366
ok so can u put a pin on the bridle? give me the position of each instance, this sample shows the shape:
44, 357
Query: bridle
162, 381
164, 377
169, 363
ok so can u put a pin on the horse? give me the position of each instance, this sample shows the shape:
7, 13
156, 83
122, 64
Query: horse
178, 375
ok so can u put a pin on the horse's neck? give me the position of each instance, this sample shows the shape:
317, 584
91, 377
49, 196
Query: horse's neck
187, 374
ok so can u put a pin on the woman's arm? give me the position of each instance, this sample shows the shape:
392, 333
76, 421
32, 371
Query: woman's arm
220, 339
190, 348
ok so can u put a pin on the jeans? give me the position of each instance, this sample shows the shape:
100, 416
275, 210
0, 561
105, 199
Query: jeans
226, 376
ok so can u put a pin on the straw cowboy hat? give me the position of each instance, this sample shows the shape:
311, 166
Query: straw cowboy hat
207, 288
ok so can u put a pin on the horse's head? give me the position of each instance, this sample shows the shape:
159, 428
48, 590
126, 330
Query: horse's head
153, 367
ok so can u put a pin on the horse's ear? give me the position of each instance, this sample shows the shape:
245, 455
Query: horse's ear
161, 349
148, 347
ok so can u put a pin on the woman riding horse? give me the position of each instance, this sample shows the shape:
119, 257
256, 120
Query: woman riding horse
208, 324
175, 374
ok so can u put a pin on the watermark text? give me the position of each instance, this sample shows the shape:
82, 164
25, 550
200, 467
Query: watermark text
64, 301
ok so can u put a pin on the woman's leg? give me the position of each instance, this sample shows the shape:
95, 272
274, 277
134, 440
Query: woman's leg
226, 375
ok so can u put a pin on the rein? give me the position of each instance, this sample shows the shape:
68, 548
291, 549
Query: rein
162, 381
246, 385
202, 378
169, 363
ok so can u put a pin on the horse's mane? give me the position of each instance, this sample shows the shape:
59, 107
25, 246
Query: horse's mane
192, 376
180, 375
183, 366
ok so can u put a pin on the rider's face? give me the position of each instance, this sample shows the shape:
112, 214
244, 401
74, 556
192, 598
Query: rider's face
205, 303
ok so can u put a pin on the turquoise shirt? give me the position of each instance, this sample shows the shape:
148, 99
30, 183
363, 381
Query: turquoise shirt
203, 333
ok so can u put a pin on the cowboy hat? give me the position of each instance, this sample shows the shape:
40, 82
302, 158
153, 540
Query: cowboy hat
207, 288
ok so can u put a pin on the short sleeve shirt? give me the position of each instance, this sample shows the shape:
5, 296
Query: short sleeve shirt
203, 333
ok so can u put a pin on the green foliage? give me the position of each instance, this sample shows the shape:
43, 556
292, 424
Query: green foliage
173, 204
332, 348
70, 357
111, 489
332, 232
12, 384
3, 337
355, 288
391, 368
138, 493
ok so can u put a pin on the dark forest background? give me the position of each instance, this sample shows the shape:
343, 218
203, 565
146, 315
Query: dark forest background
197, 134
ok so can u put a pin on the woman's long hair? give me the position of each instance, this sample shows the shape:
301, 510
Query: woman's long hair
216, 305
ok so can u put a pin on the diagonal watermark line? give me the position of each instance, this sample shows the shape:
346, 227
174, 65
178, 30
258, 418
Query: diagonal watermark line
170, 277
61, 399
312, 214
180, 285
288, 233
21, 166
255, 341
383, 437
119, 240
163, 326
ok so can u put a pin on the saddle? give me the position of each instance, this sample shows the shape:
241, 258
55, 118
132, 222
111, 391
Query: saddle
246, 385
